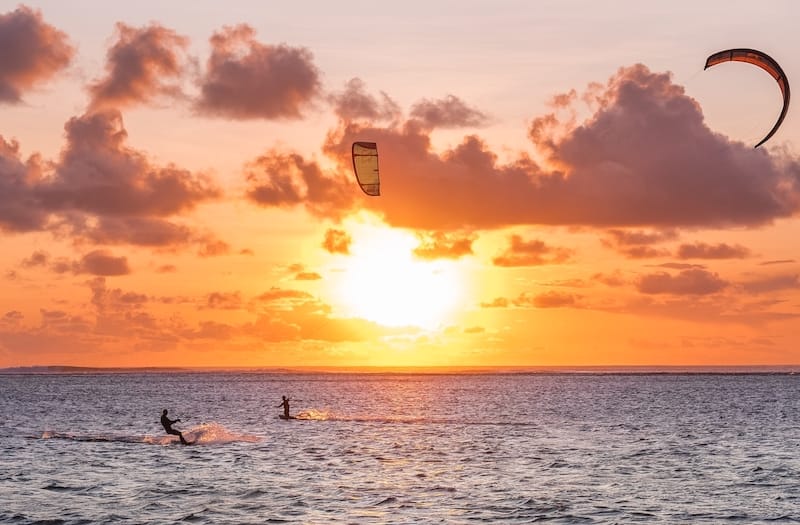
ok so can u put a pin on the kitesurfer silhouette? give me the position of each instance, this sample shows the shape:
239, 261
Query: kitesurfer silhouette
167, 423
285, 405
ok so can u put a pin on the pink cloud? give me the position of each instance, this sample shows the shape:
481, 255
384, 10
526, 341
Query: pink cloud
286, 179
530, 253
449, 112
33, 51
245, 79
98, 174
105, 192
19, 208
772, 283
102, 263
354, 103
644, 158
139, 66
687, 282
440, 245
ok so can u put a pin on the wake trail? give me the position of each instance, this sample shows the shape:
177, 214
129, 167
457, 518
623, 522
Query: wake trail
203, 434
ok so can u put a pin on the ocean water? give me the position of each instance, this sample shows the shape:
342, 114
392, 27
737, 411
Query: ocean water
401, 448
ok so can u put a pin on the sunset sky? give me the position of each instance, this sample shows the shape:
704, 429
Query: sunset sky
561, 184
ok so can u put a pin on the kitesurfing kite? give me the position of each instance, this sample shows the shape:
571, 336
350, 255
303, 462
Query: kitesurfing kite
765, 62
365, 166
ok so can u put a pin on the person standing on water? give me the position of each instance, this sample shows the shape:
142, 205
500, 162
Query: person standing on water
167, 423
285, 405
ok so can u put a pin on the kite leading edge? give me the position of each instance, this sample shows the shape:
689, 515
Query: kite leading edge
765, 62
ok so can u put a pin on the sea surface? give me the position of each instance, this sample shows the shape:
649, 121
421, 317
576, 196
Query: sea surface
401, 448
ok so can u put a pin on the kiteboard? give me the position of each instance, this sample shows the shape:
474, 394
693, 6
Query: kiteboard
285, 418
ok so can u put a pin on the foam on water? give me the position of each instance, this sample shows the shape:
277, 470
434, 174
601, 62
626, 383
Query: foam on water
216, 434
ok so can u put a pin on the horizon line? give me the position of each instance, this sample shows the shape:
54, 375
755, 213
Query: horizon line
433, 369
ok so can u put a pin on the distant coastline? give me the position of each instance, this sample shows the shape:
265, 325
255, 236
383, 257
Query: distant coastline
545, 370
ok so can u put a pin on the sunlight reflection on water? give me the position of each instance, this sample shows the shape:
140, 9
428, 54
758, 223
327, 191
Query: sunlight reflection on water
400, 448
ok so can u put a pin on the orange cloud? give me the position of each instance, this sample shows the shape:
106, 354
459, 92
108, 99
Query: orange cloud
687, 282
139, 65
37, 258
214, 248
497, 302
549, 299
614, 279
439, 245
224, 300
530, 253
554, 299
772, 283
701, 250
245, 79
33, 51
337, 241
307, 276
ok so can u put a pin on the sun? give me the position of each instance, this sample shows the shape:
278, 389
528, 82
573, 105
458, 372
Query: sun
384, 282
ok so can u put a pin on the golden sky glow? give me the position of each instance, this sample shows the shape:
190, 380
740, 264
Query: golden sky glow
561, 184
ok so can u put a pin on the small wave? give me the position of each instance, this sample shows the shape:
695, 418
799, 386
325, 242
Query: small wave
92, 438
55, 487
204, 434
